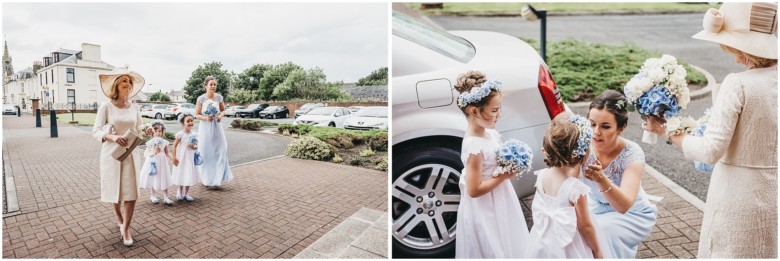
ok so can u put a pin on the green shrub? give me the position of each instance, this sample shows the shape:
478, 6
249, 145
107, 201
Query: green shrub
308, 148
293, 129
367, 153
379, 142
252, 125
382, 165
357, 161
583, 70
285, 128
337, 159
267, 123
236, 124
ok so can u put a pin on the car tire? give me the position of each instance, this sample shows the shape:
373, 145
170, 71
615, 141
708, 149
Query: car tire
158, 116
273, 116
415, 168
331, 124
286, 115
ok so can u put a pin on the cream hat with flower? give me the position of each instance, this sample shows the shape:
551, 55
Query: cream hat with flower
107, 80
748, 27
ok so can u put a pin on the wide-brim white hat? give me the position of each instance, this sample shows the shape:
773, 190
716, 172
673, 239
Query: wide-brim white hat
748, 27
107, 80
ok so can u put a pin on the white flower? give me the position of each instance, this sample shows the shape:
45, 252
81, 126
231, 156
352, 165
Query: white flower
684, 97
680, 125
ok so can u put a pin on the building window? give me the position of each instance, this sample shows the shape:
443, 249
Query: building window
22, 87
47, 76
71, 75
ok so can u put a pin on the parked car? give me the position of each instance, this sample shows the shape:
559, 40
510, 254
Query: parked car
324, 116
155, 111
428, 126
9, 109
368, 118
306, 108
230, 111
253, 111
178, 108
275, 112
355, 109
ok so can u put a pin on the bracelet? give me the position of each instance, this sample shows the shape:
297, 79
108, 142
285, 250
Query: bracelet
669, 139
609, 188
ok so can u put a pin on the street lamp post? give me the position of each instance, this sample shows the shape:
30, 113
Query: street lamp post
529, 13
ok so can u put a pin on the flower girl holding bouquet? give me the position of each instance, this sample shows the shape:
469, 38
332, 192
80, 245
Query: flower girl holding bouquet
562, 224
186, 158
490, 220
155, 173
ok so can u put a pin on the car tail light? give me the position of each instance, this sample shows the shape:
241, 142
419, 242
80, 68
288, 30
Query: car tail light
550, 94
174, 109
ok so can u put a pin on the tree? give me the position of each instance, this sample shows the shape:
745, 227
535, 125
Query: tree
241, 96
194, 85
273, 77
378, 77
310, 85
250, 78
159, 96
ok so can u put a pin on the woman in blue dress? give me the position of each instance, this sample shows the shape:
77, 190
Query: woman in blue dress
213, 146
621, 210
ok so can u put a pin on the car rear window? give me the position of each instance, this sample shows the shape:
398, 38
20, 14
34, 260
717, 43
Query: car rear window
438, 40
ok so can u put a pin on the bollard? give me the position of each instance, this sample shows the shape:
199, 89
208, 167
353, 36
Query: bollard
53, 123
18, 111
37, 118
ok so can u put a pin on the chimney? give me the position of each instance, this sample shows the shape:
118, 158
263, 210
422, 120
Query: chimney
90, 52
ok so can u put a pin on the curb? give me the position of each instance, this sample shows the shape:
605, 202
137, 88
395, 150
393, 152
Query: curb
12, 201
512, 14
695, 95
677, 189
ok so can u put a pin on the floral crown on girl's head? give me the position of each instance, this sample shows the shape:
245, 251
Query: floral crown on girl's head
184, 115
157, 122
478, 93
586, 134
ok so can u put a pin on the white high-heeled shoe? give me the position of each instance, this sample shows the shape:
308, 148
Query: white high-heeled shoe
128, 242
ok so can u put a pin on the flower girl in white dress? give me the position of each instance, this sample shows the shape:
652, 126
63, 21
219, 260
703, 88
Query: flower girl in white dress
490, 220
562, 224
156, 173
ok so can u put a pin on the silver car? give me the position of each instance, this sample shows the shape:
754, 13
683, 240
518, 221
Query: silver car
428, 126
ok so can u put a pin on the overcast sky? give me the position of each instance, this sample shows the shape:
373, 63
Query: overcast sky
165, 42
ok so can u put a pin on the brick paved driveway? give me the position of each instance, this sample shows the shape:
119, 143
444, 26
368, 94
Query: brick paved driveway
271, 209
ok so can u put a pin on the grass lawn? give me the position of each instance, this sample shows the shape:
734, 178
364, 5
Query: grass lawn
87, 119
553, 8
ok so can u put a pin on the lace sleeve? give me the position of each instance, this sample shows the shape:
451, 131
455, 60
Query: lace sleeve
634, 154
578, 189
471, 147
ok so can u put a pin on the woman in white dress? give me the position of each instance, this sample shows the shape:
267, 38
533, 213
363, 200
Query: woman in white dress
490, 220
213, 145
740, 216
119, 180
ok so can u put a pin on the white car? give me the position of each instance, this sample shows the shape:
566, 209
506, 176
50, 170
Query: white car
173, 112
155, 111
368, 118
428, 126
324, 116
9, 109
230, 111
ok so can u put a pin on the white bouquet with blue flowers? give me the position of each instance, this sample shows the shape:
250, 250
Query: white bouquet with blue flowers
154, 144
514, 156
699, 132
659, 89
210, 108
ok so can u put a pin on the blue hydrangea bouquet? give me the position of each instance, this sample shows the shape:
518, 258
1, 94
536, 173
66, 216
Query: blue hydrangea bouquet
514, 156
659, 89
699, 132
193, 140
210, 108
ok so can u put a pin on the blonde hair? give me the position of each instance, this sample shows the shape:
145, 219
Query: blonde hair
113, 93
759, 62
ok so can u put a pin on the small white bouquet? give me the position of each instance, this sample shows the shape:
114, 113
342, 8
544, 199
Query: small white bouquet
659, 89
680, 125
514, 156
